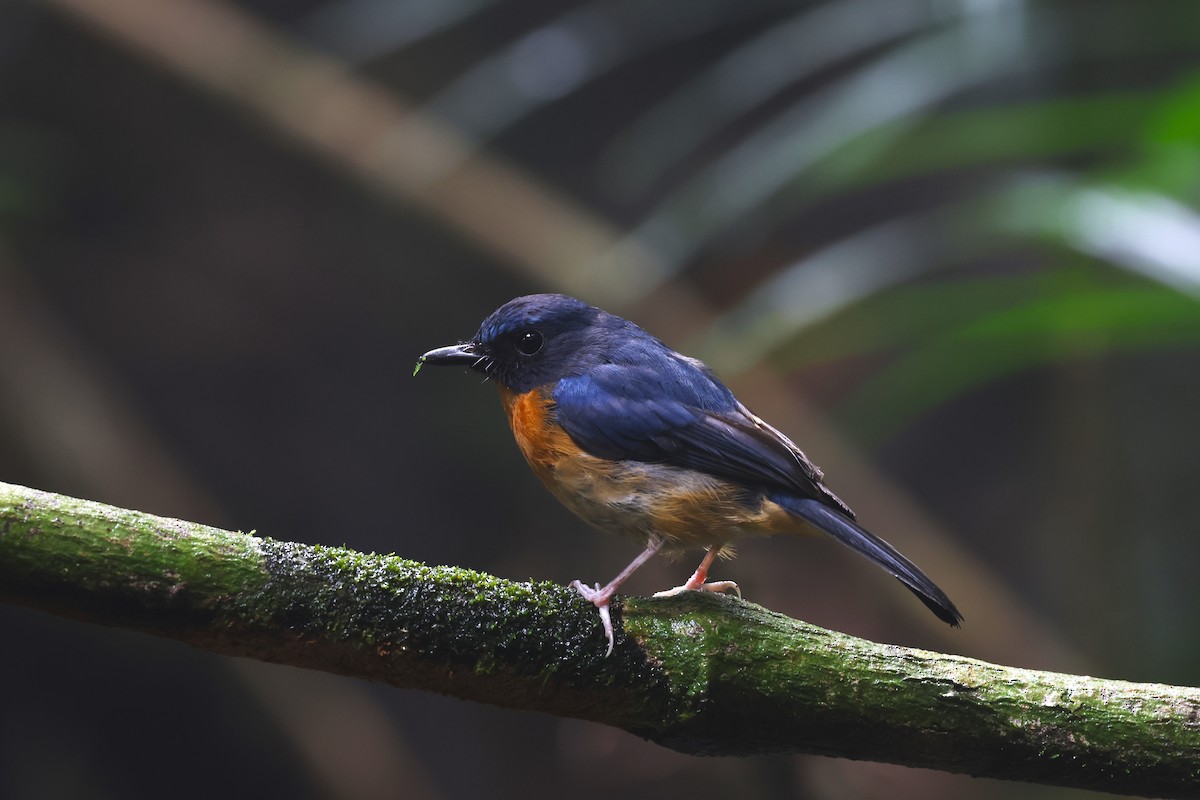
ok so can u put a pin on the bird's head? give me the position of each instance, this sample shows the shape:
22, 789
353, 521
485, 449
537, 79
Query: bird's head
537, 339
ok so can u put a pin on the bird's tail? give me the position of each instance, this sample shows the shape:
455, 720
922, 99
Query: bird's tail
863, 541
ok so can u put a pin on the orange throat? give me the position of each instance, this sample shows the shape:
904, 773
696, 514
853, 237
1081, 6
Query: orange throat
531, 417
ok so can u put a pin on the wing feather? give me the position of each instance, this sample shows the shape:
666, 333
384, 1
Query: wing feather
686, 418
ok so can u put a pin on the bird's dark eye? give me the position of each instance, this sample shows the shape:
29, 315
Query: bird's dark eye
529, 343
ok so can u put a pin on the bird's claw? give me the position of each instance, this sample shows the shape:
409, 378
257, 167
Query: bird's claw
587, 591
606, 621
714, 586
601, 600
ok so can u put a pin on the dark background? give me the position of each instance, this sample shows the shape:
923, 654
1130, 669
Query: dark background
952, 249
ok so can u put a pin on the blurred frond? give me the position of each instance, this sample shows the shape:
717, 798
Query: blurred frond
359, 30
815, 39
978, 338
572, 50
899, 83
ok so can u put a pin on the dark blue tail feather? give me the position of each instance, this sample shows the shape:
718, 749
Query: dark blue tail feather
863, 541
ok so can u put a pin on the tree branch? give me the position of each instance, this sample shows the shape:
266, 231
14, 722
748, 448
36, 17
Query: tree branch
699, 673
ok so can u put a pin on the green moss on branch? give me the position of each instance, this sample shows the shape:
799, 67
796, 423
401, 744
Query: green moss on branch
700, 673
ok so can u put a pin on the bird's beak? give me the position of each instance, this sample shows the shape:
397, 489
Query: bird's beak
466, 353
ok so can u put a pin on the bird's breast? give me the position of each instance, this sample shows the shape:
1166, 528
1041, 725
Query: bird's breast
686, 507
542, 440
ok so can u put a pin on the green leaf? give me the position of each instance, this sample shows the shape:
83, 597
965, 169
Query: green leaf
1065, 323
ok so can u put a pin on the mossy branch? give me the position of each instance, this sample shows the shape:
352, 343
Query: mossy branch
699, 673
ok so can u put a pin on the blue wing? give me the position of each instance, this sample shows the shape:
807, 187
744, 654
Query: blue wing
674, 411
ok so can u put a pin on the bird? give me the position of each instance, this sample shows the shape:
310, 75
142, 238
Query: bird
639, 440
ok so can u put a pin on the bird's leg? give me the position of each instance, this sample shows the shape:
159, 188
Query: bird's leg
601, 597
696, 582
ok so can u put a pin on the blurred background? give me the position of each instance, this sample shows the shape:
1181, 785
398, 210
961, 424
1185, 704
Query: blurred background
951, 247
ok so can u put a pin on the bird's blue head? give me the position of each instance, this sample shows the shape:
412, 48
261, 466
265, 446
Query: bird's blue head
538, 339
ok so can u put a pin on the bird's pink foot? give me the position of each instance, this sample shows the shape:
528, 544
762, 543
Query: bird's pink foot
714, 586
601, 599
697, 583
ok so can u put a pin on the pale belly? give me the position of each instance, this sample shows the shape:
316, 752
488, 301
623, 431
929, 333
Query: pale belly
684, 508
